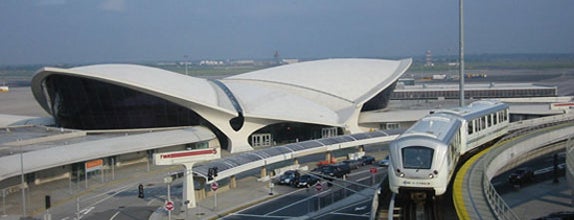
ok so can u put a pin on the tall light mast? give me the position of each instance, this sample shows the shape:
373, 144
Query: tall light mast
461, 51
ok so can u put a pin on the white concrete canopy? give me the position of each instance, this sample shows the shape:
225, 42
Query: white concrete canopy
327, 92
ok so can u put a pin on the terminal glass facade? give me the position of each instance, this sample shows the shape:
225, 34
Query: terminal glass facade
82, 103
381, 100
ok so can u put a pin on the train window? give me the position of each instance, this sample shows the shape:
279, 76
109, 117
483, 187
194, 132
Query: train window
492, 121
470, 127
417, 157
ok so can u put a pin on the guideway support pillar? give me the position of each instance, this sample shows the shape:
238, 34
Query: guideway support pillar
233, 182
263, 172
188, 187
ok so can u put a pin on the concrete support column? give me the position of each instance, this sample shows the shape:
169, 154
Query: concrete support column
328, 156
232, 182
188, 188
295, 161
361, 148
263, 172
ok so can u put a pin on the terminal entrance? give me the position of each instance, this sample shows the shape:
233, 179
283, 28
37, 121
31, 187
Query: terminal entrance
284, 133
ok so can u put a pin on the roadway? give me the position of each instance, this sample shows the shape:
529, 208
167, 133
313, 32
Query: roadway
305, 201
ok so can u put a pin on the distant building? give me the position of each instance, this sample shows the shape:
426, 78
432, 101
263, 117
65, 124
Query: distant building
476, 91
243, 62
211, 62
289, 61
428, 59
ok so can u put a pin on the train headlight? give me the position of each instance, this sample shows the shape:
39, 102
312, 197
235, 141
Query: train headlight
431, 176
400, 173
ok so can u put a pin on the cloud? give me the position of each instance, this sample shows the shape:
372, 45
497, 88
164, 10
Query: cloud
113, 5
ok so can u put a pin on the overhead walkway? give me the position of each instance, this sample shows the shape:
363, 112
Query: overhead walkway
232, 165
69, 153
473, 194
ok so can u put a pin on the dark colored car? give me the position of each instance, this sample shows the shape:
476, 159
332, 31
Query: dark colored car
521, 176
353, 164
290, 177
385, 162
367, 160
307, 181
336, 170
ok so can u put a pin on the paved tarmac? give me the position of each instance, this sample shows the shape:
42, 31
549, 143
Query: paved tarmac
541, 199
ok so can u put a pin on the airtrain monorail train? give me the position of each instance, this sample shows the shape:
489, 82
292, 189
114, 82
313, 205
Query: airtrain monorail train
424, 157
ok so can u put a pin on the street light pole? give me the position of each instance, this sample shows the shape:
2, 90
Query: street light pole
23, 183
185, 64
461, 51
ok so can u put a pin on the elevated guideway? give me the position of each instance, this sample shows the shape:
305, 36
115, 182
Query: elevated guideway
232, 165
473, 194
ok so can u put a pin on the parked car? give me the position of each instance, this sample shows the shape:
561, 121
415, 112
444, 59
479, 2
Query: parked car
336, 170
307, 181
353, 164
385, 162
366, 159
290, 177
521, 176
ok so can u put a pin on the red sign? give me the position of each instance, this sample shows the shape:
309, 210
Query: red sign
169, 205
94, 165
318, 187
373, 170
214, 186
190, 153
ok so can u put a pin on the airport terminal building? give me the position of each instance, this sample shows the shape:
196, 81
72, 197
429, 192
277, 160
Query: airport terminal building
307, 100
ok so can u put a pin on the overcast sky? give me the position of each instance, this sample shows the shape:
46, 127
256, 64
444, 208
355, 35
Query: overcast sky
93, 31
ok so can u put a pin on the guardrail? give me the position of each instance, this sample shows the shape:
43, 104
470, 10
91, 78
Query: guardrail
543, 121
511, 149
570, 164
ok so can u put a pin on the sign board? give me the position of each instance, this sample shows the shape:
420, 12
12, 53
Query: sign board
169, 206
561, 105
214, 186
318, 186
93, 165
186, 156
373, 170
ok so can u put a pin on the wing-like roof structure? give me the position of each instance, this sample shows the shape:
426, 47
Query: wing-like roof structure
323, 91
329, 92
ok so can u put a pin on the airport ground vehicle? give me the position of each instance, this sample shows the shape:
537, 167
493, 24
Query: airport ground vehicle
290, 177
423, 158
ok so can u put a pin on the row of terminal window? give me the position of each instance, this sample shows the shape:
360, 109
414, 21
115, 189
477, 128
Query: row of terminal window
486, 121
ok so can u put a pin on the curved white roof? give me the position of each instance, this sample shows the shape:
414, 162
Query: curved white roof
349, 79
169, 85
323, 91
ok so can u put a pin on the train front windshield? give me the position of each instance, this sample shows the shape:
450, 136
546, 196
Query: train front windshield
417, 157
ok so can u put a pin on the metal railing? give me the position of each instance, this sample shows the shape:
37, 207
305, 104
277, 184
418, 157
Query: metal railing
570, 165
498, 206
